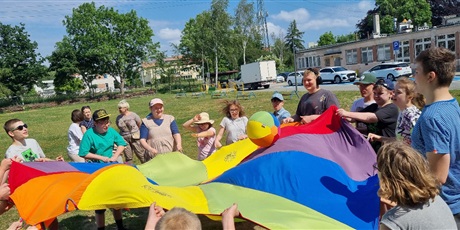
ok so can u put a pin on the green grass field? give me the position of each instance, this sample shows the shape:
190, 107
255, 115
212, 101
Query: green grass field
49, 127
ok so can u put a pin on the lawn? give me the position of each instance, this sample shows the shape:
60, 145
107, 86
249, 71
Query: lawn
49, 127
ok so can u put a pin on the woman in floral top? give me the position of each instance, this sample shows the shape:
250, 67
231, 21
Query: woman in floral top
409, 103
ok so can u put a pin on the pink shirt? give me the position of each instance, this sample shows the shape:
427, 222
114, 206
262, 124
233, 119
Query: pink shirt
205, 144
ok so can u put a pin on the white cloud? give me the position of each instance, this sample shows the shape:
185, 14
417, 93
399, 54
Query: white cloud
159, 23
275, 29
323, 24
365, 5
300, 15
171, 35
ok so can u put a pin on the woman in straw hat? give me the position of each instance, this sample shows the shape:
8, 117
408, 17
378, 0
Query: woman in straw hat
204, 132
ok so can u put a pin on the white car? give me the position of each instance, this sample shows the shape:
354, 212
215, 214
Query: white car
337, 74
279, 79
291, 79
391, 70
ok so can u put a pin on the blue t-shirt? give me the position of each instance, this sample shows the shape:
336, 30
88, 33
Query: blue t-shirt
100, 144
438, 130
281, 114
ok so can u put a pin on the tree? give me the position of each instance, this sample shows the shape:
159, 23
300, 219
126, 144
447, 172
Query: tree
220, 26
440, 8
64, 62
326, 39
106, 41
418, 11
294, 37
345, 38
245, 25
20, 66
279, 49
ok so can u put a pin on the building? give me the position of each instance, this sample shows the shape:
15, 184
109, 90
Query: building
364, 54
151, 70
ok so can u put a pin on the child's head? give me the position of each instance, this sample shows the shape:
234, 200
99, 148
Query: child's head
405, 94
204, 123
383, 92
436, 62
405, 177
277, 101
233, 109
76, 116
16, 129
101, 120
310, 80
178, 218
86, 110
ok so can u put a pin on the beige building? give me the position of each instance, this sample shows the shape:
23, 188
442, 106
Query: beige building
151, 70
365, 54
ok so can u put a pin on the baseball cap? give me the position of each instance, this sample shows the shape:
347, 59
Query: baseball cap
155, 101
387, 83
278, 96
366, 79
100, 114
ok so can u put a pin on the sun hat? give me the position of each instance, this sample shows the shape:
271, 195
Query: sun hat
366, 79
278, 96
204, 119
100, 114
155, 101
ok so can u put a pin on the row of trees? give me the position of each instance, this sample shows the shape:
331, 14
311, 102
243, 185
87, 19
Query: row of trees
101, 40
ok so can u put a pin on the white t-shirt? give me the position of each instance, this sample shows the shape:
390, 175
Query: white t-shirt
74, 135
359, 104
27, 153
235, 128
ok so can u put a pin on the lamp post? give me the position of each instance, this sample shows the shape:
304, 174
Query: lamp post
295, 70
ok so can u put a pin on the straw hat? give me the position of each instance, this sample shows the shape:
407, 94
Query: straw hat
204, 119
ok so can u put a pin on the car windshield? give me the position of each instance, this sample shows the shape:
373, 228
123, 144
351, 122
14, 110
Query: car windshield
403, 65
337, 69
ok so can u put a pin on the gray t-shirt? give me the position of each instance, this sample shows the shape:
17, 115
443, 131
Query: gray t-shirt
27, 153
235, 128
128, 123
316, 103
431, 215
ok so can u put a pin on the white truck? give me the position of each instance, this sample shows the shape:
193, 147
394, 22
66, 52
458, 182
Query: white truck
257, 74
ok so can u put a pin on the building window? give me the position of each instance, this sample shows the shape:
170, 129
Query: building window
446, 41
403, 54
351, 56
421, 45
303, 62
383, 52
367, 55
318, 60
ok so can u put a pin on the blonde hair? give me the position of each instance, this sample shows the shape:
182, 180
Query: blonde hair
409, 88
178, 219
405, 177
123, 104
310, 71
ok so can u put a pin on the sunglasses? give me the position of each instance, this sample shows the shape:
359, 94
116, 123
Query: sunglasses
20, 127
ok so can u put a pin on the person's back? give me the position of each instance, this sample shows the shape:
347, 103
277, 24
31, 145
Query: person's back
431, 215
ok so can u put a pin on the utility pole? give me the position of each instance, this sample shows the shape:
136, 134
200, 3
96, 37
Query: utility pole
262, 22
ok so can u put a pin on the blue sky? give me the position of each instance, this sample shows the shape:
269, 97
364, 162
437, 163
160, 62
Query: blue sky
43, 19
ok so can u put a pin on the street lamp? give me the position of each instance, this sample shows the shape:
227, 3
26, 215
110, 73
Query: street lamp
295, 69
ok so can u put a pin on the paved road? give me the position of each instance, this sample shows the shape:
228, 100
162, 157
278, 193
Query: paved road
336, 87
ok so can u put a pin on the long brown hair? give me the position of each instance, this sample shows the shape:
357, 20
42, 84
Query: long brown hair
405, 177
226, 108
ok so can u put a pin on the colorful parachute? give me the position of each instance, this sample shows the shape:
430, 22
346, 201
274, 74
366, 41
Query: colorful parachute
315, 176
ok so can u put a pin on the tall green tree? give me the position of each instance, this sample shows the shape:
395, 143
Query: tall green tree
418, 11
20, 66
293, 37
63, 61
345, 38
326, 39
220, 25
245, 25
106, 41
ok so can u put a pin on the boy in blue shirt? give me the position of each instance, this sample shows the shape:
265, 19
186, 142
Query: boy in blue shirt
436, 134
278, 103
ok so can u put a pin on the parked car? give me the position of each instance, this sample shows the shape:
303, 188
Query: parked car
284, 75
337, 74
279, 79
391, 70
291, 79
